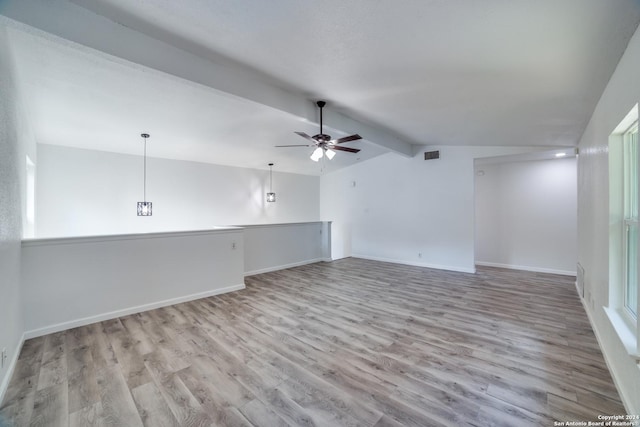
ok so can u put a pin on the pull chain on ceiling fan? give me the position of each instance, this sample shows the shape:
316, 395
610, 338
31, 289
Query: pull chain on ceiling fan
325, 146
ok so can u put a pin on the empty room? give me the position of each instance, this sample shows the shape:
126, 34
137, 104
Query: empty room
332, 213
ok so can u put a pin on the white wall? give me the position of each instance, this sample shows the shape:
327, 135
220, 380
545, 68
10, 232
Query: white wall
526, 215
14, 142
620, 95
83, 192
277, 246
70, 282
73, 281
407, 210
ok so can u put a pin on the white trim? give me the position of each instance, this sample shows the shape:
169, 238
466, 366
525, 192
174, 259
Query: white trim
627, 122
14, 361
125, 312
625, 331
626, 225
138, 236
285, 266
527, 268
281, 224
417, 264
626, 400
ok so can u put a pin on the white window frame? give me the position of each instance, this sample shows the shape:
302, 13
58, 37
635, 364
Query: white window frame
627, 223
625, 324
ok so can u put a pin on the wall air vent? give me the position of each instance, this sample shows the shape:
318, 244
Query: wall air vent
429, 155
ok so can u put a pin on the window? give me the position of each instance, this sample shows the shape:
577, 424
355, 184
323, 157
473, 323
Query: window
624, 173
630, 222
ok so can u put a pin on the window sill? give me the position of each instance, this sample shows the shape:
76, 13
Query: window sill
625, 332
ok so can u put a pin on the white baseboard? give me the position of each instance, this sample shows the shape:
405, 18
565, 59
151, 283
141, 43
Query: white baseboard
417, 264
526, 268
284, 266
14, 361
125, 312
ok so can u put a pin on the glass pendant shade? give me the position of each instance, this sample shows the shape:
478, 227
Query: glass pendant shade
330, 153
144, 209
317, 154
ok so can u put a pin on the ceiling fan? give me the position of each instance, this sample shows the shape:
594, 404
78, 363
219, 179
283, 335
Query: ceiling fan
325, 146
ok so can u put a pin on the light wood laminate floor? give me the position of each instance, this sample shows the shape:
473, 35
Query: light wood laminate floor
347, 343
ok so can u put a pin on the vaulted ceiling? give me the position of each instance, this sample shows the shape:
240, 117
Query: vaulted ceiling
225, 81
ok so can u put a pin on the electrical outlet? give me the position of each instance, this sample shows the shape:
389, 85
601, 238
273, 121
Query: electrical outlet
3, 357
233, 245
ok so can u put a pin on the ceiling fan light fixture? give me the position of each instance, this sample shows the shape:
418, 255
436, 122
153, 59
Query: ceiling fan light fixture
324, 143
330, 153
317, 154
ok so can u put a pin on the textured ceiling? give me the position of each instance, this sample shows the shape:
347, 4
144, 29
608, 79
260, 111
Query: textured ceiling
463, 72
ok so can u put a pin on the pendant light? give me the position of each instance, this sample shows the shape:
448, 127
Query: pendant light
144, 207
271, 196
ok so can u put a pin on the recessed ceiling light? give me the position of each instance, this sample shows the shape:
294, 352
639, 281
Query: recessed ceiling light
561, 154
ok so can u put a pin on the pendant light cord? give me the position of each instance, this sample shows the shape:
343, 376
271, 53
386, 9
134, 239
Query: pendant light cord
145, 136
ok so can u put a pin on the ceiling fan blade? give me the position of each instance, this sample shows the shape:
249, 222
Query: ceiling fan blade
304, 135
346, 139
297, 145
350, 150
